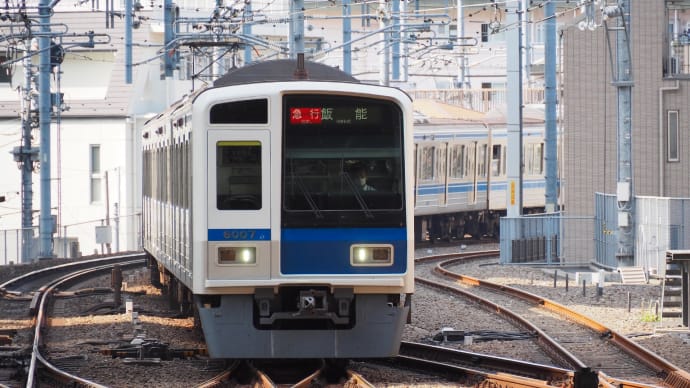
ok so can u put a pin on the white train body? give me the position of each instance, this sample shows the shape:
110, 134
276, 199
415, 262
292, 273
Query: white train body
252, 218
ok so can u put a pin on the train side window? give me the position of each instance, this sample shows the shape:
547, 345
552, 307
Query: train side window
481, 160
529, 159
496, 160
427, 170
238, 175
470, 162
440, 169
457, 163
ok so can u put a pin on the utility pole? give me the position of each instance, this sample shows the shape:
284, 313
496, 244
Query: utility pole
46, 224
26, 155
347, 37
395, 37
296, 27
551, 97
623, 81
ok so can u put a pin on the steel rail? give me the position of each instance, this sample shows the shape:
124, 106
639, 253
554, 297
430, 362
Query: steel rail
523, 368
40, 321
67, 267
673, 376
553, 348
467, 376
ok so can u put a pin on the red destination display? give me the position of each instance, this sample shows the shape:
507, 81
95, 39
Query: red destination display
305, 116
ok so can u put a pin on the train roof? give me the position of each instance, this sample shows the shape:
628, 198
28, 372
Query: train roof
281, 70
432, 112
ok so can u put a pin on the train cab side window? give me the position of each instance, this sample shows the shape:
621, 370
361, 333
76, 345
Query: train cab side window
238, 175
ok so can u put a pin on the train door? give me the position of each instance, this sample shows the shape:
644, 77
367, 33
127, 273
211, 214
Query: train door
239, 223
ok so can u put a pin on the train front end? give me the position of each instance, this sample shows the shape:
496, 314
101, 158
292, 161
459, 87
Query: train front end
306, 225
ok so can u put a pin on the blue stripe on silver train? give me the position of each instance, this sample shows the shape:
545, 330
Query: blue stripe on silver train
311, 251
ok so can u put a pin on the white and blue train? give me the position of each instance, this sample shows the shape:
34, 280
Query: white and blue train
279, 210
460, 178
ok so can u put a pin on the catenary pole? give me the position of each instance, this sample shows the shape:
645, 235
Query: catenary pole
550, 86
44, 106
514, 109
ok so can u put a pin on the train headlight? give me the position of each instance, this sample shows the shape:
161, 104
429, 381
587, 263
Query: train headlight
236, 255
371, 255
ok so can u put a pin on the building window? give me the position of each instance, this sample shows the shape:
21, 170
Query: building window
485, 32
672, 134
95, 172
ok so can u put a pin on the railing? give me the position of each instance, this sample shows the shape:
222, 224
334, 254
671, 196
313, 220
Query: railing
546, 239
16, 245
481, 100
87, 238
678, 64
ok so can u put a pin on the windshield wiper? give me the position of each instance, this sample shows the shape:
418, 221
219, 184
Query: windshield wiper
358, 195
307, 196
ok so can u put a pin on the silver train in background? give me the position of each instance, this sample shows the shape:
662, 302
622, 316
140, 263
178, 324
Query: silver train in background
259, 219
460, 177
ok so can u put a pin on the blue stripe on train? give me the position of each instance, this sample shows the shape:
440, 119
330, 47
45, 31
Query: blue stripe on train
481, 186
322, 251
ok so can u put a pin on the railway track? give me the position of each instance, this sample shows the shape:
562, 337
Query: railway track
39, 290
596, 353
19, 300
44, 298
467, 368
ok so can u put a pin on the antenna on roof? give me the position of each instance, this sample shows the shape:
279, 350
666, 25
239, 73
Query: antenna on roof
300, 71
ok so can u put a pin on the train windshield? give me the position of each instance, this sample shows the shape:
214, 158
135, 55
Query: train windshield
342, 162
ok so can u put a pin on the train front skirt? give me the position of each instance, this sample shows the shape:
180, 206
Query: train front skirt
230, 332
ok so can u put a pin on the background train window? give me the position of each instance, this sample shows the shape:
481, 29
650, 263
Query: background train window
440, 169
457, 161
534, 160
496, 155
426, 173
470, 160
238, 175
240, 112
481, 160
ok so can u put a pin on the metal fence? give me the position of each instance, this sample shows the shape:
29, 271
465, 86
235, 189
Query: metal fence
550, 238
16, 245
659, 226
73, 240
